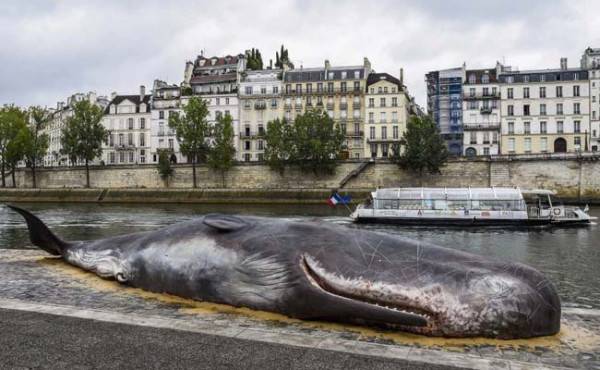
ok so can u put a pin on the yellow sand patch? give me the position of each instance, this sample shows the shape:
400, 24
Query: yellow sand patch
571, 336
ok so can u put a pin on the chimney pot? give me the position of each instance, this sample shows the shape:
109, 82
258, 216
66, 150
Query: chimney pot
142, 92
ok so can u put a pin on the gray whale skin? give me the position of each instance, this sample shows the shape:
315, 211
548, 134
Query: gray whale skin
318, 271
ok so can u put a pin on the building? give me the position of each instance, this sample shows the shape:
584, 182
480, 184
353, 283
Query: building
444, 104
387, 111
58, 119
260, 98
590, 61
166, 99
337, 90
127, 119
481, 111
545, 111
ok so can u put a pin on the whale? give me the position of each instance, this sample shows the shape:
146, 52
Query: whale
315, 270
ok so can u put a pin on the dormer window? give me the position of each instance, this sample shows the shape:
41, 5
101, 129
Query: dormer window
485, 79
472, 78
113, 109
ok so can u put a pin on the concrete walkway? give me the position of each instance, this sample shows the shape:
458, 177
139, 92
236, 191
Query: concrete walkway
52, 314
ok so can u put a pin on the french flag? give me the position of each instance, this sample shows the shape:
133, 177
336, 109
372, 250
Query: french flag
336, 199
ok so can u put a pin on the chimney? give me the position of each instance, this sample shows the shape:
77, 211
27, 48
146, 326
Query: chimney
402, 76
142, 92
187, 73
113, 95
367, 65
327, 64
563, 63
92, 97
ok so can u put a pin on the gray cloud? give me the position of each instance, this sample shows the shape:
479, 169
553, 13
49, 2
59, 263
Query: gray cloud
53, 49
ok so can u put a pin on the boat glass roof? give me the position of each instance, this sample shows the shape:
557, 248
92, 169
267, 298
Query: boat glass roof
450, 193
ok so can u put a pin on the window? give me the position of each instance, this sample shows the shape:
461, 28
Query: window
525, 92
542, 92
511, 110
472, 92
320, 87
161, 114
343, 87
542, 109
288, 88
485, 79
130, 123
511, 128
111, 157
330, 87
309, 88
298, 88
344, 75
486, 137
527, 128
395, 132
247, 145
473, 104
263, 89
247, 157
559, 108
576, 127
486, 91
511, 144
486, 151
111, 140
131, 156
371, 102
357, 85
394, 117
382, 102
494, 137
121, 157
526, 109
509, 93
472, 78
383, 118
384, 132
527, 145
577, 141
394, 102
142, 139
275, 90
356, 74
559, 127
371, 117
372, 132
544, 144
576, 108
171, 144
473, 137
559, 92
121, 139
260, 145
217, 100
576, 90
543, 127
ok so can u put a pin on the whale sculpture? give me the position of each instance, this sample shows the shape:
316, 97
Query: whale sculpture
315, 270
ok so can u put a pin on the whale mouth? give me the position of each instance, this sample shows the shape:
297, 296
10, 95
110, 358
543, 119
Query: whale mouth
409, 315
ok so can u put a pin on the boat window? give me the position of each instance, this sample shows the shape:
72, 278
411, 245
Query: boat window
458, 204
556, 201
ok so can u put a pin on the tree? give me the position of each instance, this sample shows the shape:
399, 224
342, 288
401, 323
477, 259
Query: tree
222, 154
164, 165
424, 148
35, 144
282, 58
83, 135
12, 122
192, 130
279, 140
254, 59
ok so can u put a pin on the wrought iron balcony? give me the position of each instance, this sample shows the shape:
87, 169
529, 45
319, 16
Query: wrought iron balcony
486, 110
481, 95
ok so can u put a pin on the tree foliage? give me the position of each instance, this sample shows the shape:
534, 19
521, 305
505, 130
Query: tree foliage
83, 134
35, 144
13, 123
254, 59
192, 130
221, 155
282, 58
424, 148
312, 143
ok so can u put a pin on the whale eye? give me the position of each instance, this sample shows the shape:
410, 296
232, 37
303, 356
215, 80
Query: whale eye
121, 278
223, 222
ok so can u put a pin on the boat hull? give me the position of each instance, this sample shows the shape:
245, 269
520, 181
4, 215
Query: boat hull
452, 221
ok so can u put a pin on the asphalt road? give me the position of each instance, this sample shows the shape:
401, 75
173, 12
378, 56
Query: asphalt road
34, 340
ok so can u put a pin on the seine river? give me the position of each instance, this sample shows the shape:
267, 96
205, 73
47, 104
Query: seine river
570, 257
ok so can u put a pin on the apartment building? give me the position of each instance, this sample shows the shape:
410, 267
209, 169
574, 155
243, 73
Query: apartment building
590, 60
387, 111
166, 99
481, 111
58, 119
260, 96
339, 91
127, 118
444, 104
545, 111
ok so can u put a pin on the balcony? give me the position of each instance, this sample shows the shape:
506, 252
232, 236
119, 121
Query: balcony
356, 105
481, 95
252, 134
486, 110
382, 140
298, 106
260, 105
481, 126
325, 91
329, 106
125, 146
288, 105
343, 106
355, 133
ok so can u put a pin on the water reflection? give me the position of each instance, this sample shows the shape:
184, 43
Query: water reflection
570, 257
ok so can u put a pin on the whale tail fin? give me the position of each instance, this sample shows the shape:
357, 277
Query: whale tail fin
40, 235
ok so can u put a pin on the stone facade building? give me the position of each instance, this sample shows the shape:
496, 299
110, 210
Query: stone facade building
339, 91
127, 118
166, 99
545, 111
590, 61
387, 107
260, 102
481, 112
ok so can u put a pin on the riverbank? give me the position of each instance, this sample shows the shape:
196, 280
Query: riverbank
200, 196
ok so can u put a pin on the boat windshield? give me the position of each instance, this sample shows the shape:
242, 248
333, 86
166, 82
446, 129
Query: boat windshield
556, 201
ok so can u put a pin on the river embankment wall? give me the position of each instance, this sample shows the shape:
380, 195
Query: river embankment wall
573, 177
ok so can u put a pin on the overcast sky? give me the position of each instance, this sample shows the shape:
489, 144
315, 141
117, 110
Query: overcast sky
51, 49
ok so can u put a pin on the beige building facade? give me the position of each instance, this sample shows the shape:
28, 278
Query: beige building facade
387, 108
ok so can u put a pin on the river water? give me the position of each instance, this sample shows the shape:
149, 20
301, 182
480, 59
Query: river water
570, 257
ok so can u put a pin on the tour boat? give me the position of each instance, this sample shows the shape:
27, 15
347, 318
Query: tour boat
467, 206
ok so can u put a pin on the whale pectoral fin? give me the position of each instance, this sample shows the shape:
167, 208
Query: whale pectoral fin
224, 223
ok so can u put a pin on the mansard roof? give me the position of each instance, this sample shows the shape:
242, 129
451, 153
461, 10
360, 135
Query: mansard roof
376, 77
135, 99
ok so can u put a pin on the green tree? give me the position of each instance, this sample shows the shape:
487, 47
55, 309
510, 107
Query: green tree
279, 138
254, 59
165, 170
192, 130
424, 148
282, 58
35, 144
83, 135
13, 120
222, 153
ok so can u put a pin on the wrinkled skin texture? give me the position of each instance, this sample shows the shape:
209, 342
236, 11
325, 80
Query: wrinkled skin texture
314, 270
